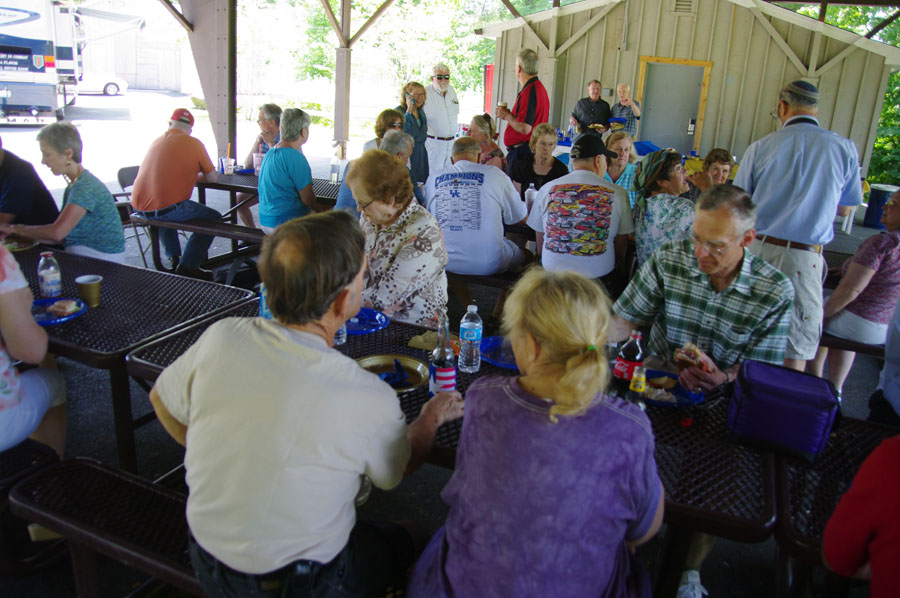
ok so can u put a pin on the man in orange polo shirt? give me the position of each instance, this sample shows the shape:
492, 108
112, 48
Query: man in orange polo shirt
163, 189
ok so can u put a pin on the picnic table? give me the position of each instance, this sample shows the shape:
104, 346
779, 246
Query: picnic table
137, 305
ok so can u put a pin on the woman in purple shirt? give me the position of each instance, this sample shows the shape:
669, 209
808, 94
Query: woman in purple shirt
555, 483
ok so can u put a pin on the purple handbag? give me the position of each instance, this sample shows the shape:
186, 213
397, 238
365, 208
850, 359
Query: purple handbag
777, 408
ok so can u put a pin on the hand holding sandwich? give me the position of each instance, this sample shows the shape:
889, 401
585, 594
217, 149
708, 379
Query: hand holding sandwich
697, 370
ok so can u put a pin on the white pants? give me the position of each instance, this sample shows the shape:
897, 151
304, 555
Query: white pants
850, 326
118, 258
42, 388
438, 154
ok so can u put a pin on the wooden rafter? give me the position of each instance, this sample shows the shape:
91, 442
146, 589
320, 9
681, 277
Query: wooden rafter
776, 37
823, 9
369, 22
528, 26
334, 23
177, 14
883, 24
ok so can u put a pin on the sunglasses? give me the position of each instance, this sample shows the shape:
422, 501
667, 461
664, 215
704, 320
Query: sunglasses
442, 77
396, 125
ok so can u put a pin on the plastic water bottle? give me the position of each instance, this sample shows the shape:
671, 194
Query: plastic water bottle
49, 275
470, 341
340, 337
264, 311
335, 169
530, 195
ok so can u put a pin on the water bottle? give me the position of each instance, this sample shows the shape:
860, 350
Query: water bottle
335, 169
442, 370
470, 341
49, 275
264, 302
631, 356
340, 337
530, 195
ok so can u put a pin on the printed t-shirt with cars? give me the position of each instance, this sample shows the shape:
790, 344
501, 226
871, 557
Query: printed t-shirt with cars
471, 202
101, 227
11, 279
580, 214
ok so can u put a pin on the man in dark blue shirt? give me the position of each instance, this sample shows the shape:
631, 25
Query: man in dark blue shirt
23, 197
591, 114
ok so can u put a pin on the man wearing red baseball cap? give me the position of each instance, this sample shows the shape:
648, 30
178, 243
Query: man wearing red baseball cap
163, 189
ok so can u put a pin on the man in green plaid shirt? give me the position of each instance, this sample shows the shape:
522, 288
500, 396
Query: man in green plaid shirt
712, 292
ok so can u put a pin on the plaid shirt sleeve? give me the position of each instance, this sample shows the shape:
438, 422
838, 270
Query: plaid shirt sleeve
769, 341
643, 298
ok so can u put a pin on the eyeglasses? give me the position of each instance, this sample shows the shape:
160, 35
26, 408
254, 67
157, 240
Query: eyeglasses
442, 77
396, 125
712, 248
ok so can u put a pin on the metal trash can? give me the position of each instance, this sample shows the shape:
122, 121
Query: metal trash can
878, 196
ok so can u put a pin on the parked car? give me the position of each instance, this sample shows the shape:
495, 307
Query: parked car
106, 84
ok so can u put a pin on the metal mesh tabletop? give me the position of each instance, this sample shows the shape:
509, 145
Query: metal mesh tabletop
249, 183
712, 485
148, 361
136, 304
808, 494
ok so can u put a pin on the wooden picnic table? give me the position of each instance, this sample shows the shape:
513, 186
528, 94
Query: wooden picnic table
137, 305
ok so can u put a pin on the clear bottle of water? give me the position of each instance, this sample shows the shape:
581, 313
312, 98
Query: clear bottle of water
340, 337
470, 341
335, 169
49, 275
530, 195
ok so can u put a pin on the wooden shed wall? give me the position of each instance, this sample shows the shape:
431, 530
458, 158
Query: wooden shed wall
748, 67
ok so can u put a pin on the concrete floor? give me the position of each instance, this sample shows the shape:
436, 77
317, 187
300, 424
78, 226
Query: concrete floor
733, 569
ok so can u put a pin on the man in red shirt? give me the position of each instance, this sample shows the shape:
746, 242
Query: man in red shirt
163, 188
532, 108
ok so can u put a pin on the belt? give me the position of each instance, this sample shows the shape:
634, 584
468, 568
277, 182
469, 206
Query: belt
153, 213
441, 138
790, 244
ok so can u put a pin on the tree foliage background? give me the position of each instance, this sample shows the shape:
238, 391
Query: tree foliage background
885, 164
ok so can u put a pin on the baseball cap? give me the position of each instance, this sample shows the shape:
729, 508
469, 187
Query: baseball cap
183, 116
588, 146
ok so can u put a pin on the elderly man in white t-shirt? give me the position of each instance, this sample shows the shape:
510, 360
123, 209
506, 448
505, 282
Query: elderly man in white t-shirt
442, 111
279, 429
471, 202
582, 222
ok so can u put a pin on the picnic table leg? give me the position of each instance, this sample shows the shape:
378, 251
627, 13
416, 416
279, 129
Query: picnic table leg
672, 558
84, 570
121, 398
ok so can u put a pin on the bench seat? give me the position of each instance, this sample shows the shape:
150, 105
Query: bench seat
244, 234
834, 342
503, 280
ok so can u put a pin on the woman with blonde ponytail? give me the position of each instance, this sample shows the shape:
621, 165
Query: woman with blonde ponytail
555, 483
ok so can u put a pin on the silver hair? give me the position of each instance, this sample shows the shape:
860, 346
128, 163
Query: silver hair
796, 100
738, 202
625, 85
271, 112
439, 67
293, 121
465, 145
528, 60
396, 140
62, 136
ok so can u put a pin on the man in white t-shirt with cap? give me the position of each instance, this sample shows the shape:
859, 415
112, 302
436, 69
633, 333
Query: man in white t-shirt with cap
582, 222
471, 202
442, 111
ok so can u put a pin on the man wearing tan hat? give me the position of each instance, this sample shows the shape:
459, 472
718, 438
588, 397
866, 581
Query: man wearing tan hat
798, 176
163, 188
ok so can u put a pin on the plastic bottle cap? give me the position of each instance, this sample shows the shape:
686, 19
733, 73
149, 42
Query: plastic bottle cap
472, 309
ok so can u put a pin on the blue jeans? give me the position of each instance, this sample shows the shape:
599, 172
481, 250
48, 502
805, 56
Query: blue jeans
376, 555
197, 245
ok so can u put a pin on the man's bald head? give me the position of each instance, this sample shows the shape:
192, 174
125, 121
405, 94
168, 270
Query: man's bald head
466, 148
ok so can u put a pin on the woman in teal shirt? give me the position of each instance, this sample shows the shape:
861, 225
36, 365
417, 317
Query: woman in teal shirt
285, 179
89, 223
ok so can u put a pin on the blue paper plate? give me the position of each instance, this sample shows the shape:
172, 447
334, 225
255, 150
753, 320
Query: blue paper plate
243, 171
44, 318
366, 321
496, 352
618, 119
683, 398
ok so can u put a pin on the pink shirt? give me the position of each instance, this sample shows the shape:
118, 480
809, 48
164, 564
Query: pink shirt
11, 279
877, 301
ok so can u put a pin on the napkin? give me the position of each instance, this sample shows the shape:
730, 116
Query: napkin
427, 341
398, 378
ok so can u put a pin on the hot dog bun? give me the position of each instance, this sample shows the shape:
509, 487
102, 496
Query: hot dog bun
63, 307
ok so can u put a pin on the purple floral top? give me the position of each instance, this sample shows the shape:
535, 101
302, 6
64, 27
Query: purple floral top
877, 301
405, 275
543, 509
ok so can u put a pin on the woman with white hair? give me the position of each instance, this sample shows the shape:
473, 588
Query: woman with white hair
89, 223
285, 179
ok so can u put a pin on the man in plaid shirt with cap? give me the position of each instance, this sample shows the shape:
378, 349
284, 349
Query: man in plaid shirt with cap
711, 291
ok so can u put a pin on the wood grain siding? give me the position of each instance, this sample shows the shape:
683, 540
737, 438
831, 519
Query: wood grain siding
749, 65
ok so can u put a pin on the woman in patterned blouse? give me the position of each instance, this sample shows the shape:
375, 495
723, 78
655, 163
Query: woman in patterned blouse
405, 276
483, 130
659, 214
621, 170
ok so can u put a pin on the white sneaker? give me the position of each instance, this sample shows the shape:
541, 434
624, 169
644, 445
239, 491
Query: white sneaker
690, 585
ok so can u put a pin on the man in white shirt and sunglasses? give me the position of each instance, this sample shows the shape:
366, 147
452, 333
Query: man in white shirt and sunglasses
442, 111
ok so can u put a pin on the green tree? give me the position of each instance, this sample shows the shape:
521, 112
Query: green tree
885, 164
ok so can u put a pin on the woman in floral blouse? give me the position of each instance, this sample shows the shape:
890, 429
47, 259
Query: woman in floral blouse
405, 276
483, 130
659, 214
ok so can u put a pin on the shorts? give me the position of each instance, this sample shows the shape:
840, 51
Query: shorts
376, 556
84, 250
806, 271
845, 324
42, 389
510, 255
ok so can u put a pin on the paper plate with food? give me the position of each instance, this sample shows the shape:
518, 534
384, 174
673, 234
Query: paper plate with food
15, 243
48, 312
664, 390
